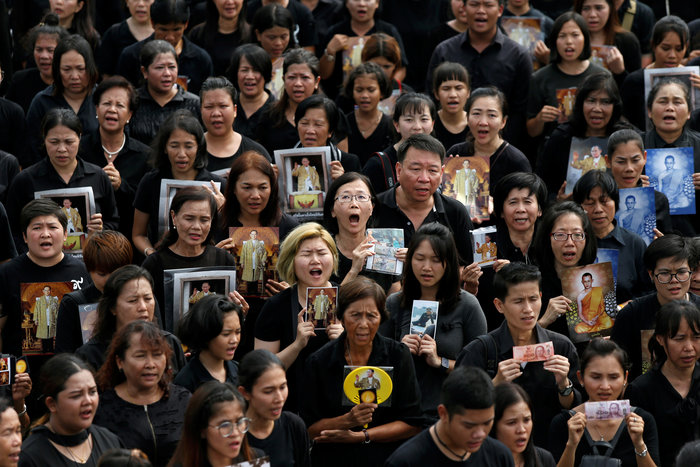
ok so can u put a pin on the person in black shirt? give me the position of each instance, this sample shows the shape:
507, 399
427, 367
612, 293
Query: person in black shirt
119, 36
281, 435
460, 437
451, 89
305, 33
13, 126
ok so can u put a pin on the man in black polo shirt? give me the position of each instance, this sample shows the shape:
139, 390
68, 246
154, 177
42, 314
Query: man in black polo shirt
169, 19
491, 59
461, 436
415, 200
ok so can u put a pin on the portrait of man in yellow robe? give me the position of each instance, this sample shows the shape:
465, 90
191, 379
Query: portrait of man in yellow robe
75, 223
253, 258
45, 312
591, 307
467, 186
307, 176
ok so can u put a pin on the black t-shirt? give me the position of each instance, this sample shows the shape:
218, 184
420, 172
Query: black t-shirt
221, 47
37, 450
305, 32
117, 38
446, 137
69, 334
24, 86
422, 450
381, 137
22, 270
214, 164
288, 444
377, 170
13, 128
194, 374
9, 168
164, 259
274, 137
248, 125
7, 244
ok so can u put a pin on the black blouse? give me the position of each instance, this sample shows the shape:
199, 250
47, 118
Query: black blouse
149, 117
38, 451
446, 137
69, 334
194, 374
381, 137
24, 86
221, 47
248, 124
216, 164
115, 39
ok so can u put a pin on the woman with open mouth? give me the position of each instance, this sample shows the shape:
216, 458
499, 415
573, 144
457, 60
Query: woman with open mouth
431, 273
513, 423
367, 433
214, 430
211, 330
597, 113
569, 66
73, 81
138, 401
317, 120
280, 434
11, 443
598, 195
451, 89
187, 244
633, 436
66, 435
668, 108
179, 152
487, 113
119, 36
564, 239
219, 111
669, 46
308, 257
161, 95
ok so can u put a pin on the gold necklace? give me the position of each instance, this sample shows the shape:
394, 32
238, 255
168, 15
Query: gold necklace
80, 459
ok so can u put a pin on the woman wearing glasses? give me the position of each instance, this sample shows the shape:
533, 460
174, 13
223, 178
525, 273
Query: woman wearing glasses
669, 261
347, 213
280, 434
138, 403
214, 429
564, 239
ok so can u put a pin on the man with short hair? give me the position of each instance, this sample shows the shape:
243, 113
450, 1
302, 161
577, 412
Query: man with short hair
43, 227
170, 19
491, 59
669, 261
461, 436
416, 201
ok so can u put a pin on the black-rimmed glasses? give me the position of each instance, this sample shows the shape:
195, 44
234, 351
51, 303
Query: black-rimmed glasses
665, 277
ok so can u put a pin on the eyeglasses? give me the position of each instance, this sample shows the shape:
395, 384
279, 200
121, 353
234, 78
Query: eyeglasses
562, 237
226, 428
665, 277
346, 198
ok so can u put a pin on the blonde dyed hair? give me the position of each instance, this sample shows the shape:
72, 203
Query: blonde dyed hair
290, 247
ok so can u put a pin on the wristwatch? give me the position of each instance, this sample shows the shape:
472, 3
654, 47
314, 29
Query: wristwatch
329, 57
445, 363
567, 390
643, 453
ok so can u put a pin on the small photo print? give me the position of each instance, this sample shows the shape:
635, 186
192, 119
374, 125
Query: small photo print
78, 205
321, 306
304, 175
599, 55
385, 243
168, 190
585, 154
88, 318
637, 211
682, 73
565, 100
524, 31
5, 370
352, 54
670, 171
40, 301
593, 310
424, 315
485, 249
256, 250
276, 84
466, 179
372, 384
259, 462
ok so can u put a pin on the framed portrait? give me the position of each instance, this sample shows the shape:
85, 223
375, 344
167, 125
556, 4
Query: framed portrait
639, 212
256, 250
39, 305
185, 287
78, 204
593, 308
466, 179
682, 73
321, 306
304, 178
168, 189
670, 171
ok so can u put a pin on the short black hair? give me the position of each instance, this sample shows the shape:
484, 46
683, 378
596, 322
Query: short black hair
80, 45
170, 11
319, 101
668, 321
330, 222
255, 56
358, 289
621, 137
596, 178
152, 49
214, 83
564, 18
669, 246
518, 181
117, 82
181, 119
423, 143
371, 69
450, 71
41, 207
602, 81
513, 274
689, 455
668, 24
541, 245
413, 102
467, 388
205, 321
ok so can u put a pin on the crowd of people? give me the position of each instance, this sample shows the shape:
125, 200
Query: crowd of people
360, 147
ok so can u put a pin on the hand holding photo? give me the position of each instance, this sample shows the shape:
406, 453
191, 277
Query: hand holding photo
321, 306
485, 249
681, 73
566, 98
533, 353
466, 179
304, 176
78, 205
639, 213
599, 55
670, 171
385, 244
363, 382
424, 315
585, 154
168, 189
256, 250
607, 410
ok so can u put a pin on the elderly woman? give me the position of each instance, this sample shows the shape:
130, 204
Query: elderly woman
67, 433
366, 433
127, 297
124, 159
104, 253
308, 257
139, 404
598, 195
